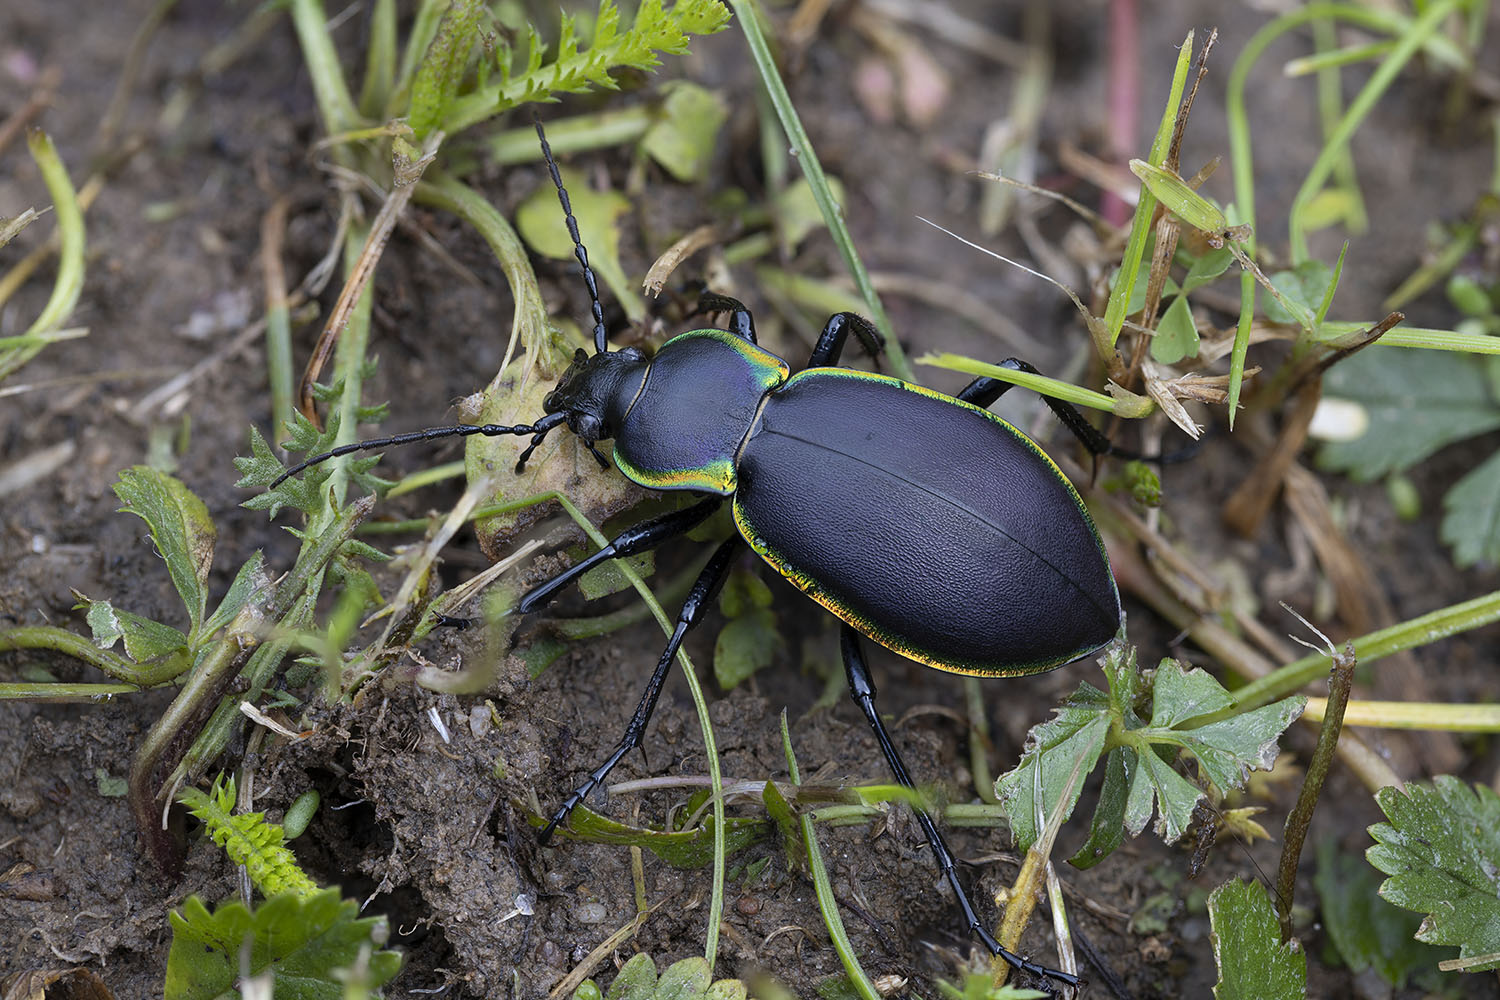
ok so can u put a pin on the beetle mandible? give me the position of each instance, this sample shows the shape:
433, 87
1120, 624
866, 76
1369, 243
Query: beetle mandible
922, 520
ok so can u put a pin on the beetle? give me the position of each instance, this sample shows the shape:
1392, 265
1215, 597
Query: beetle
923, 521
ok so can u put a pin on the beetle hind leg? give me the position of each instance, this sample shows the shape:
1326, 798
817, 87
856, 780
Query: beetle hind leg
862, 689
983, 391
698, 600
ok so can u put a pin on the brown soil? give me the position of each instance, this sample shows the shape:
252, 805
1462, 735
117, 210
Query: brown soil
433, 833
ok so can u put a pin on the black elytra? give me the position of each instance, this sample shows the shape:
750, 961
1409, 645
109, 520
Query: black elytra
922, 520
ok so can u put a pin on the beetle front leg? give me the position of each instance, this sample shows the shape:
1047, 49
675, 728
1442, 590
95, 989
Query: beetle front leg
862, 689
637, 538
698, 601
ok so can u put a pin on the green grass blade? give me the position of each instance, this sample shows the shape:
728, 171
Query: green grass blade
1140, 225
747, 13
68, 284
1338, 140
823, 888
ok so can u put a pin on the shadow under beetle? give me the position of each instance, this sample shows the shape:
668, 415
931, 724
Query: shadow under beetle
922, 520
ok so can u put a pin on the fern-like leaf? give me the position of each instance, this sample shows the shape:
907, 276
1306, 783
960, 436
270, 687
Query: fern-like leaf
248, 839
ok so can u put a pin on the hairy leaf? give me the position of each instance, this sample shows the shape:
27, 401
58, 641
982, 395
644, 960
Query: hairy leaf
1471, 516
302, 941
181, 528
1417, 402
1253, 963
1441, 850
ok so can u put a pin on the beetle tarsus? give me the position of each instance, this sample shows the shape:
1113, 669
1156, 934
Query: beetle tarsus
830, 345
741, 323
699, 599
862, 690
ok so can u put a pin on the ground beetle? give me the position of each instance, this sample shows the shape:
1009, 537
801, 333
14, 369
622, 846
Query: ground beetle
922, 520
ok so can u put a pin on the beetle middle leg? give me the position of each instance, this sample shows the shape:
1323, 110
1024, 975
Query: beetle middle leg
862, 689
698, 601
635, 539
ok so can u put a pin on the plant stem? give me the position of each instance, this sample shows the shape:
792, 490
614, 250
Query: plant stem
1431, 627
823, 888
80, 648
1412, 715
1300, 818
57, 691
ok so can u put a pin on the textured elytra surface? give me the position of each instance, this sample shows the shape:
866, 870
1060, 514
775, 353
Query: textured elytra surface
174, 238
936, 529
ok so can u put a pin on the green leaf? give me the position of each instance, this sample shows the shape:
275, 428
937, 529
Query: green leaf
692, 848
1180, 199
248, 839
1178, 694
1367, 930
1156, 788
146, 641
181, 528
251, 584
1471, 516
541, 223
1207, 268
744, 592
303, 941
728, 989
304, 493
745, 645
1416, 401
1229, 749
797, 212
636, 981
1176, 335
444, 65
752, 637
785, 818
1253, 963
683, 139
684, 980
1303, 288
1141, 780
606, 578
1107, 830
1469, 296
1225, 750
1054, 750
980, 986
1441, 850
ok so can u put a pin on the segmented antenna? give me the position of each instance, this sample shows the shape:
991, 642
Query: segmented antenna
600, 345
538, 432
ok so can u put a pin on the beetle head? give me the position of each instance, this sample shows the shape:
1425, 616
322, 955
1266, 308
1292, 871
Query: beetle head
596, 390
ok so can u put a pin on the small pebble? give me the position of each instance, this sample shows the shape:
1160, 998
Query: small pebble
590, 913
479, 721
